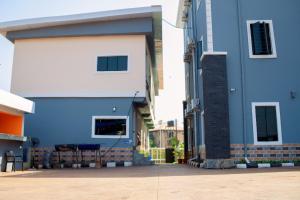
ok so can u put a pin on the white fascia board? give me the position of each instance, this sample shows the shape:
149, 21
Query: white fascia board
16, 102
79, 18
216, 53
179, 22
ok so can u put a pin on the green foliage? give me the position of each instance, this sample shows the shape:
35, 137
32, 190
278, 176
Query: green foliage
179, 151
151, 141
146, 153
174, 142
272, 161
242, 161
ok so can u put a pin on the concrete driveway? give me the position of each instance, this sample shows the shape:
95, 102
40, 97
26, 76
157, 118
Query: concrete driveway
154, 182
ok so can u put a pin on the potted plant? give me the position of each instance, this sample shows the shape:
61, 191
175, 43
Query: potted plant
62, 164
179, 153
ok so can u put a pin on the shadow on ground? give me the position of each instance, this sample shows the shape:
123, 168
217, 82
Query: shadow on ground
138, 172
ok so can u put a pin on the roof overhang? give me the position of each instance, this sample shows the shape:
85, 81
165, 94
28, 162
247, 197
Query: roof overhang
158, 52
15, 102
112, 15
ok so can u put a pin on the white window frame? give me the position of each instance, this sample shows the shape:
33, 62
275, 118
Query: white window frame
198, 3
94, 118
272, 37
278, 118
112, 72
202, 49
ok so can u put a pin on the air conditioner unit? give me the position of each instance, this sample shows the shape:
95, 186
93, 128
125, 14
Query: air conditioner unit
195, 104
184, 18
187, 3
191, 45
189, 107
187, 58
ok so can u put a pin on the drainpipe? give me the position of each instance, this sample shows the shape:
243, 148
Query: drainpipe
243, 81
195, 72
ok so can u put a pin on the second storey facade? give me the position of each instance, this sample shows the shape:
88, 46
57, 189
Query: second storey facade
93, 77
242, 81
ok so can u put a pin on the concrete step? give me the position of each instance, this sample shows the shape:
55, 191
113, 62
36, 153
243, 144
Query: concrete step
141, 160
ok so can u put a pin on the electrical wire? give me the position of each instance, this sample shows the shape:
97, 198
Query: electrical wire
174, 26
169, 23
119, 139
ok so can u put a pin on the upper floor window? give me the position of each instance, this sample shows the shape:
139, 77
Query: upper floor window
112, 63
261, 39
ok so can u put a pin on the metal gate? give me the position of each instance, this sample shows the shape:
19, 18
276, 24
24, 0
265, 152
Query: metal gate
158, 155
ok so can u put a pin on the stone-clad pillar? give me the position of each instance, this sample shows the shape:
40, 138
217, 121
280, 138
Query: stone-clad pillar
216, 109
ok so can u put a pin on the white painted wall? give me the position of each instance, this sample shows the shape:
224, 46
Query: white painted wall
6, 57
66, 67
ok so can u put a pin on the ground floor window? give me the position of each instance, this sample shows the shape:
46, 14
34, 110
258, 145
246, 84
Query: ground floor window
110, 127
266, 123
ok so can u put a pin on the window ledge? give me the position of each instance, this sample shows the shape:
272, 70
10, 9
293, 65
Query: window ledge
213, 53
262, 56
112, 72
110, 137
4, 136
267, 143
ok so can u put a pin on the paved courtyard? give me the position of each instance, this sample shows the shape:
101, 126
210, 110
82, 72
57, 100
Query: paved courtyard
154, 182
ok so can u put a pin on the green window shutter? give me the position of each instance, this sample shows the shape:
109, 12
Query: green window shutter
102, 64
266, 122
261, 40
113, 63
261, 123
122, 63
200, 52
271, 123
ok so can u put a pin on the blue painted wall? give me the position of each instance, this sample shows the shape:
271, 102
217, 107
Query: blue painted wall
200, 23
266, 80
69, 120
201, 34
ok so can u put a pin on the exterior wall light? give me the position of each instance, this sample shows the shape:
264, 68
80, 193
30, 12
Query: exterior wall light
232, 90
293, 94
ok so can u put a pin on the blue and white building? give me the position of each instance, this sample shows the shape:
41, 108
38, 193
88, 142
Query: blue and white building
93, 77
242, 79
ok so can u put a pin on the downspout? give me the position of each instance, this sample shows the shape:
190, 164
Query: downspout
243, 81
195, 72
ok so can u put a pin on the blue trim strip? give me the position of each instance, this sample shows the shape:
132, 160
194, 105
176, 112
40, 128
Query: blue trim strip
119, 27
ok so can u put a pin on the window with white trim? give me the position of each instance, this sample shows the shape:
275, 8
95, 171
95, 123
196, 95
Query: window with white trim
266, 123
200, 52
112, 63
261, 39
110, 127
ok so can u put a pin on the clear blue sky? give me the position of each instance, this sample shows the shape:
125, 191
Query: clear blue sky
169, 103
